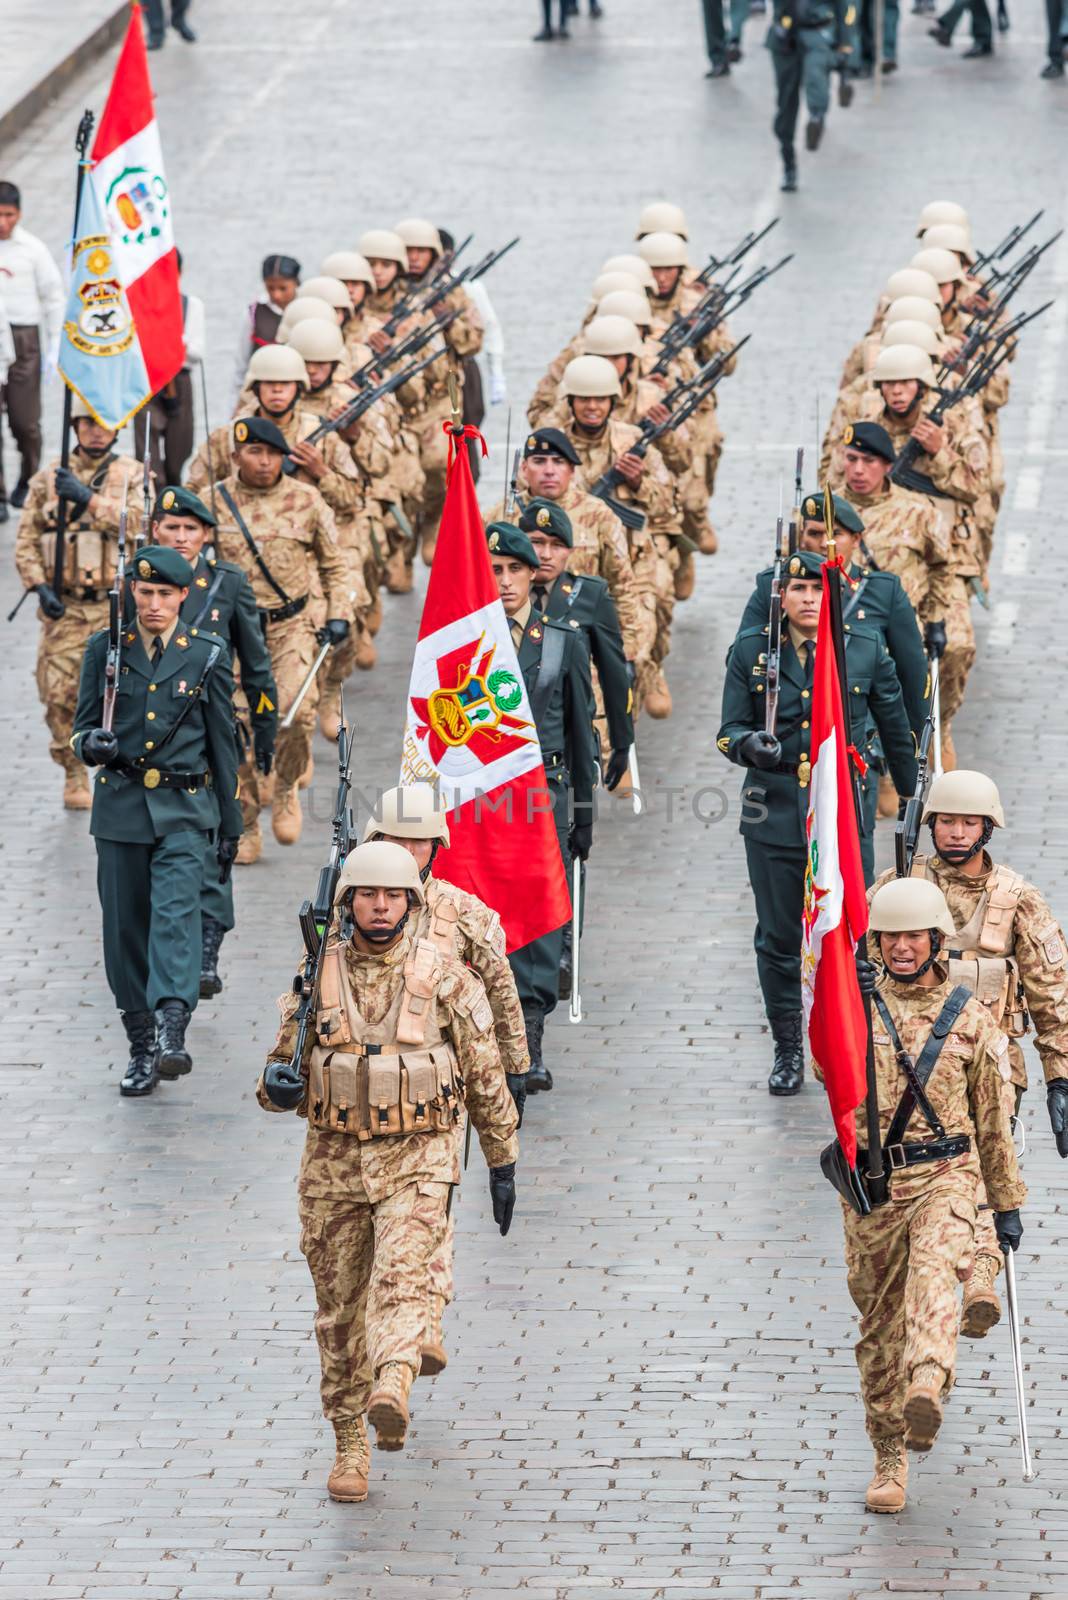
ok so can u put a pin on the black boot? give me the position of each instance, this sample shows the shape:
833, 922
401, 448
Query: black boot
789, 174
788, 1072
212, 934
172, 1058
140, 1076
563, 987
539, 1077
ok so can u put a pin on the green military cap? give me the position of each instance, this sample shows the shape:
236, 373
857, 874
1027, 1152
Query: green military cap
177, 502
870, 439
260, 430
542, 516
505, 539
847, 515
156, 564
804, 564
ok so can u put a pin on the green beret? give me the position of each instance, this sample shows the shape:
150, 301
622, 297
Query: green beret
260, 430
505, 539
156, 564
847, 515
542, 516
550, 442
804, 564
177, 502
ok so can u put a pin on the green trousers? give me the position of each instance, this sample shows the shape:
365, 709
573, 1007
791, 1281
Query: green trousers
716, 36
802, 61
777, 878
150, 899
216, 899
536, 966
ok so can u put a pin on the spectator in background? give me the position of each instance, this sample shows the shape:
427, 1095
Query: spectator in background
486, 370
171, 410
547, 30
982, 27
32, 292
157, 28
281, 280
1057, 19
723, 48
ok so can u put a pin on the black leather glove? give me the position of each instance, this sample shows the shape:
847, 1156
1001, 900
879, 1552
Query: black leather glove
760, 749
866, 976
934, 639
617, 766
51, 604
99, 747
502, 1193
517, 1088
1057, 1106
284, 1084
336, 631
68, 487
580, 839
263, 744
225, 854
1009, 1229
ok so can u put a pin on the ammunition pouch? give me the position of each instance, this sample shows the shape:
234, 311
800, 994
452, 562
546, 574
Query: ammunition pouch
382, 1096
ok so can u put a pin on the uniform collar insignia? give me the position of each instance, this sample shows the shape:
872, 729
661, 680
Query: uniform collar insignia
182, 642
534, 631
201, 583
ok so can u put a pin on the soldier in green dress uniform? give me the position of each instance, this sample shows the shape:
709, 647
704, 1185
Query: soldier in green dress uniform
168, 783
807, 40
775, 790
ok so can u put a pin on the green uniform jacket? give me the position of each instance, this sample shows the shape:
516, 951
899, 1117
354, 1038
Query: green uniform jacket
838, 17
586, 602
562, 703
774, 804
879, 604
148, 703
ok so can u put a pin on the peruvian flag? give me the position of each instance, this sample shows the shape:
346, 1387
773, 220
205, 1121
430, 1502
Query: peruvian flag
132, 192
470, 733
835, 914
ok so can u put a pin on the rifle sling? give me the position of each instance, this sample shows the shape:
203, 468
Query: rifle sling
216, 584
552, 660
253, 546
141, 762
920, 483
918, 1074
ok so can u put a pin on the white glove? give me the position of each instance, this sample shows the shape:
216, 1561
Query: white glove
498, 388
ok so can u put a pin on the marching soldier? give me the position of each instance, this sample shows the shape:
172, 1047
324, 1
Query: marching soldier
354, 271
906, 1259
463, 927
281, 533
405, 1044
556, 671
1009, 951
775, 789
167, 786
221, 600
93, 486
808, 39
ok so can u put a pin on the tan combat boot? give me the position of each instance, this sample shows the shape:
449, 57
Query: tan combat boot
266, 787
923, 1406
399, 576
387, 1409
428, 543
251, 847
887, 796
374, 616
949, 754
658, 698
329, 717
685, 577
982, 1308
366, 652
432, 1351
708, 542
348, 1478
287, 819
76, 794
304, 781
886, 1491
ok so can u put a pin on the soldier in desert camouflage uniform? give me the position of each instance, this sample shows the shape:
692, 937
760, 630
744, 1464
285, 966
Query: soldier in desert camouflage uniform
906, 1259
405, 1044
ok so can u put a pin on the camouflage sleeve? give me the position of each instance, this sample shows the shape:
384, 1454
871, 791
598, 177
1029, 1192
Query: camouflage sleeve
330, 560
987, 1073
676, 448
657, 493
484, 951
489, 1104
31, 527
1043, 962
547, 392
962, 466
284, 1044
464, 336
340, 485
371, 446
211, 462
109, 498
833, 437
614, 566
854, 365
937, 552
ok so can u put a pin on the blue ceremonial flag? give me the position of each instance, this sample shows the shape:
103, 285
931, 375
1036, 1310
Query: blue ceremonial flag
99, 351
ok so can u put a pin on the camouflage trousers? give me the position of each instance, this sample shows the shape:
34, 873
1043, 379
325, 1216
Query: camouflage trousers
986, 1239
905, 1263
433, 458
369, 1264
697, 485
439, 1268
293, 648
959, 653
341, 661
59, 666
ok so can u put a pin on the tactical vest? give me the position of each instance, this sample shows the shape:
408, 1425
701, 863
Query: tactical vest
91, 556
981, 953
384, 1079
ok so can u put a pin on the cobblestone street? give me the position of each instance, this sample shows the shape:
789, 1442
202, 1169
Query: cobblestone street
651, 1387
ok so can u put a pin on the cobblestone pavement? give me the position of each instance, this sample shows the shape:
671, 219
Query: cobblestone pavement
651, 1388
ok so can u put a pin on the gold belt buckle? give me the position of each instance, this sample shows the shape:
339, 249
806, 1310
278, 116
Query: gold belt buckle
151, 778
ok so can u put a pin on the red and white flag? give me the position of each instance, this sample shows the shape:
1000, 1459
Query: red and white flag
470, 733
835, 914
132, 191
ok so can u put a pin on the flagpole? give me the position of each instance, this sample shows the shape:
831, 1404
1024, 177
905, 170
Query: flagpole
81, 145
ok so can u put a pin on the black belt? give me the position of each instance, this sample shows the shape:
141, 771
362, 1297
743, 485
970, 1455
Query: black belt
281, 613
899, 1156
158, 778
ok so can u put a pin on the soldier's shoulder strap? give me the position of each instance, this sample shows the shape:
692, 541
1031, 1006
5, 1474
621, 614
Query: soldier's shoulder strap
243, 529
918, 1073
217, 579
550, 667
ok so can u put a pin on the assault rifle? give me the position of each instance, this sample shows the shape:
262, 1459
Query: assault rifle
357, 407
985, 333
511, 499
907, 832
427, 296
1010, 241
116, 622
1016, 273
410, 346
741, 249
146, 486
692, 327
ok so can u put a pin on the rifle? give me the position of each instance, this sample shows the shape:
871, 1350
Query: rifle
146, 486
512, 495
357, 407
116, 603
1027, 262
409, 346
1010, 241
771, 703
81, 145
976, 337
795, 514
428, 295
692, 327
741, 249
907, 832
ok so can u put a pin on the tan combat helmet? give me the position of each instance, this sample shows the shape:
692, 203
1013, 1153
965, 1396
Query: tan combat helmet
305, 309
411, 811
420, 235
630, 303
349, 266
316, 340
914, 333
332, 290
663, 250
910, 905
382, 244
897, 363
611, 336
590, 377
950, 236
943, 265
937, 211
964, 794
662, 217
613, 282
276, 363
380, 866
909, 280
913, 308
635, 265
78, 408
